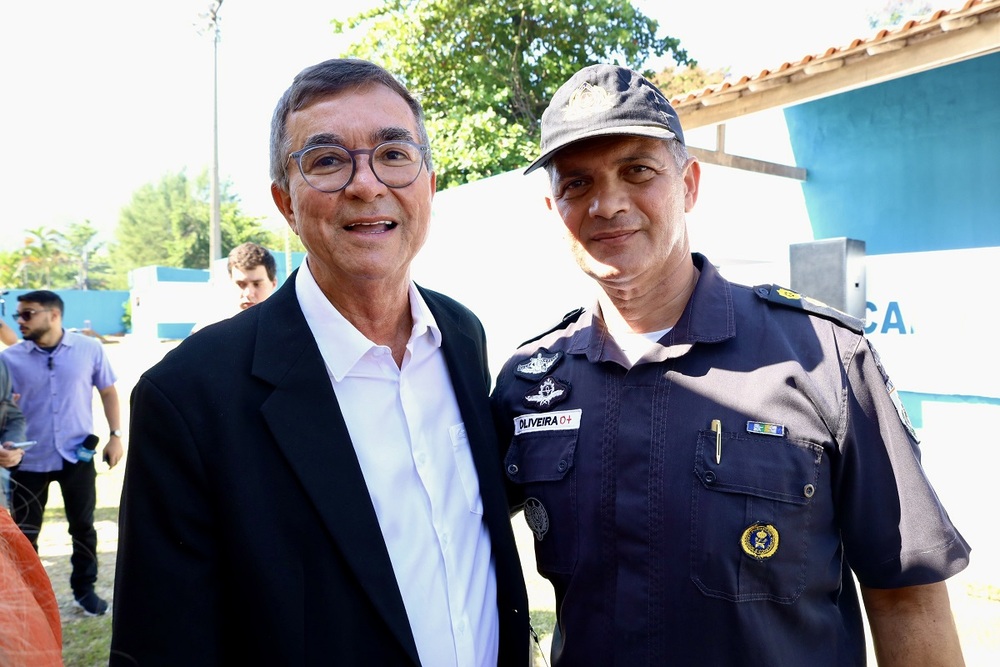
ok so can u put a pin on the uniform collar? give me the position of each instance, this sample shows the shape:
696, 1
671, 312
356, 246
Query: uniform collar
707, 318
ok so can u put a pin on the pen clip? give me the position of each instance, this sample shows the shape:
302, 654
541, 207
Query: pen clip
717, 429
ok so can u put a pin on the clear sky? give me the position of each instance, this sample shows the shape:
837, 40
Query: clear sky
101, 97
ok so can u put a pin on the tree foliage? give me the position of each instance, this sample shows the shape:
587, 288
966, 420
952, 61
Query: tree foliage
679, 81
167, 224
894, 12
485, 71
53, 259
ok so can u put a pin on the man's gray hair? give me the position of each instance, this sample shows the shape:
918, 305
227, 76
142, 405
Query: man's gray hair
329, 78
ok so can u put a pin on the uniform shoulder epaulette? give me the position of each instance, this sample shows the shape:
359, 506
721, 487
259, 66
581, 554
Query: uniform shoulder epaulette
568, 319
782, 296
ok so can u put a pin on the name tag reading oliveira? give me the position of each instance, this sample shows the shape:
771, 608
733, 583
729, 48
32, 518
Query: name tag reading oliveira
560, 420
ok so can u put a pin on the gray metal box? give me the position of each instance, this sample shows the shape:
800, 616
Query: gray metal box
832, 271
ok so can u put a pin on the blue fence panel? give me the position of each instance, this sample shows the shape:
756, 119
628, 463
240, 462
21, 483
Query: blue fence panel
105, 309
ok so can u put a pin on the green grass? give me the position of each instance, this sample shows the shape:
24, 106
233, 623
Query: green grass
542, 622
86, 639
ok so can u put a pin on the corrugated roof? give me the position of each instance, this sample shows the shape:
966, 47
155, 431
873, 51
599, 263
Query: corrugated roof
940, 38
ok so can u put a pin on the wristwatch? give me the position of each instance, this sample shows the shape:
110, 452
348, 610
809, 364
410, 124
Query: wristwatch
117, 433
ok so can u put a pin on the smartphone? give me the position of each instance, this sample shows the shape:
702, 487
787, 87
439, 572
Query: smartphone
24, 445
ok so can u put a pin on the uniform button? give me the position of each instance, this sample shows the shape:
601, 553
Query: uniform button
808, 490
512, 469
709, 477
561, 466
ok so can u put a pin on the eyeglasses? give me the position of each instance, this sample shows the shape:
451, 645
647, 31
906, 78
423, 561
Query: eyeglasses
26, 315
331, 168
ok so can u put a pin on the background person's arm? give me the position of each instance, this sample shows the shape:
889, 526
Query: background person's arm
7, 334
913, 626
112, 411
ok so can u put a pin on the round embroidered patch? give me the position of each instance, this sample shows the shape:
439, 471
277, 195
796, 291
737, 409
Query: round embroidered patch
760, 540
536, 517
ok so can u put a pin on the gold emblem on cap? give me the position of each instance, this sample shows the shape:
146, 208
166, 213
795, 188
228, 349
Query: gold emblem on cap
587, 100
760, 540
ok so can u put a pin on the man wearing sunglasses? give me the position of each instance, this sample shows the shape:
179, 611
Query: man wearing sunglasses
55, 372
339, 501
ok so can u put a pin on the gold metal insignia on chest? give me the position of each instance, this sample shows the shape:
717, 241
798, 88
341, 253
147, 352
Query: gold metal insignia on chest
760, 540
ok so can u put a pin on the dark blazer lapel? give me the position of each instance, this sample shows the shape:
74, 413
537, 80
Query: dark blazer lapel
464, 349
308, 426
466, 359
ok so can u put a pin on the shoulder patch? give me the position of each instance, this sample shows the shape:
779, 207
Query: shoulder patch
782, 296
890, 388
568, 319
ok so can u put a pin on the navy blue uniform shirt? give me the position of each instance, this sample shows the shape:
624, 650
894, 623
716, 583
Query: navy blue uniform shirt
708, 504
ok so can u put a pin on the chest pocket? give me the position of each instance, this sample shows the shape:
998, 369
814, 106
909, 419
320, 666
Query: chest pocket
542, 463
752, 515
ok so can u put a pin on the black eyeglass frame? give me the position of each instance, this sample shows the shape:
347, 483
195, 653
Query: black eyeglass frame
370, 152
26, 315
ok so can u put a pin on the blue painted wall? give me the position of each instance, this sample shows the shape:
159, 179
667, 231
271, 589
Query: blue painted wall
909, 165
104, 309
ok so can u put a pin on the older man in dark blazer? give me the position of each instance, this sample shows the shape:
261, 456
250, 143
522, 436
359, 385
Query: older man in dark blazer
314, 481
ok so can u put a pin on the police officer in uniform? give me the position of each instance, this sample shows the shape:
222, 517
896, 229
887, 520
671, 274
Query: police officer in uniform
707, 467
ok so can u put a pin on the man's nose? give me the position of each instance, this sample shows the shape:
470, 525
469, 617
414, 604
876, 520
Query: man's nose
608, 201
364, 183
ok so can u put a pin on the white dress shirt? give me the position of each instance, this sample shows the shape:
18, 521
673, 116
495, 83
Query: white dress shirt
411, 443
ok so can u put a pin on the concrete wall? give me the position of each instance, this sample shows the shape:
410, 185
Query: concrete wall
167, 302
909, 165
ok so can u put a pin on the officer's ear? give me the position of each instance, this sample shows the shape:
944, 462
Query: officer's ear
548, 202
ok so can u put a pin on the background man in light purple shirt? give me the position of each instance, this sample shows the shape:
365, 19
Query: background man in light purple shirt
55, 372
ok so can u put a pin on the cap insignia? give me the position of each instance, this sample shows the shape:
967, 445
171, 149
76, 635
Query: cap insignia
587, 100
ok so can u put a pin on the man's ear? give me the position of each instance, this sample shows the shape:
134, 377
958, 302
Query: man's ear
692, 181
283, 200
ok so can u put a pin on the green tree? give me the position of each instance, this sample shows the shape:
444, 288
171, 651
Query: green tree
678, 82
54, 259
894, 12
42, 258
167, 224
84, 266
11, 267
485, 71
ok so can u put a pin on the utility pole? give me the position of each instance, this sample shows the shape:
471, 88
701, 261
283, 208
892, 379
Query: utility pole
215, 234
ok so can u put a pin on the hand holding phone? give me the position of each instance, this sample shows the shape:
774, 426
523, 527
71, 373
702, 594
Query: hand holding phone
25, 444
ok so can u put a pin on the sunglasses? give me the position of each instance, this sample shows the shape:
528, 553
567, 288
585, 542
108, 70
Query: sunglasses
26, 315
